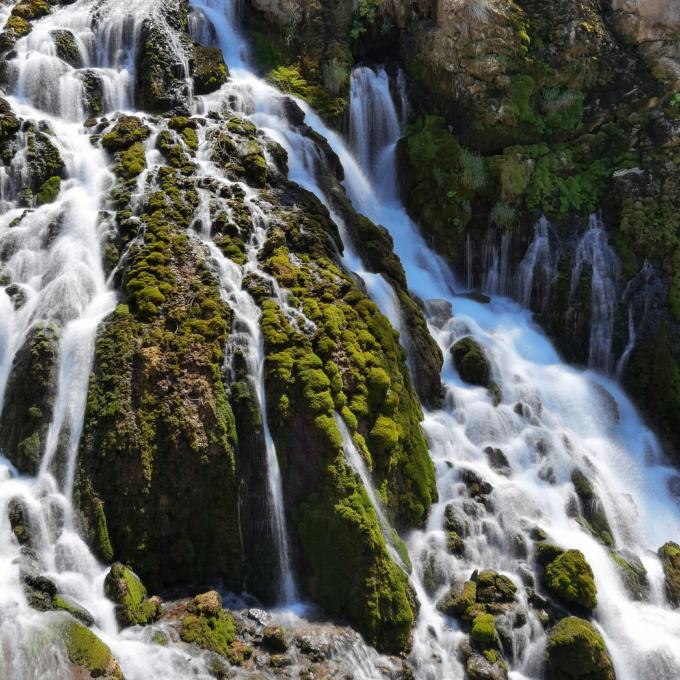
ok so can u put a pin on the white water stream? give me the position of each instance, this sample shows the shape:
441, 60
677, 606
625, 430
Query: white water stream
566, 418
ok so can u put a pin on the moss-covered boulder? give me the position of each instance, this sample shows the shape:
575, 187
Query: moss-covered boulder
208, 69
575, 650
126, 131
459, 600
483, 630
133, 608
19, 521
670, 559
67, 47
493, 587
27, 409
85, 650
18, 23
570, 578
208, 626
473, 365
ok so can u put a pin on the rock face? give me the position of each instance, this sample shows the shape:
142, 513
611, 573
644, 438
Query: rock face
653, 25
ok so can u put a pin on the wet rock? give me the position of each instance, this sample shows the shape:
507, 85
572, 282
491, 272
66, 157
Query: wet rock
498, 461
459, 599
633, 573
127, 591
438, 312
669, 554
63, 603
127, 131
545, 553
591, 509
576, 650
39, 590
28, 404
208, 626
19, 521
475, 484
67, 48
275, 638
208, 69
85, 650
570, 578
473, 366
493, 588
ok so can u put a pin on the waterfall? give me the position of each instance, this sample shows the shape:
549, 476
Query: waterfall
569, 421
538, 268
551, 418
594, 256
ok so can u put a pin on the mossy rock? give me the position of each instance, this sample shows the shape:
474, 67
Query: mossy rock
126, 131
493, 587
570, 578
208, 626
545, 553
67, 47
63, 603
473, 366
483, 630
459, 600
133, 608
49, 191
19, 521
670, 559
575, 650
633, 574
208, 69
86, 650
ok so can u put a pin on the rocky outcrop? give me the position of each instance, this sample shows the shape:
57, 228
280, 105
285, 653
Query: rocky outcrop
654, 26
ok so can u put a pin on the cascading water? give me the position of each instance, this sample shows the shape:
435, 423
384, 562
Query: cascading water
594, 255
537, 271
550, 419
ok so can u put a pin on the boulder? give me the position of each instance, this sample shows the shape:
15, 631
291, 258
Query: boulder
570, 578
670, 559
575, 650
127, 591
208, 69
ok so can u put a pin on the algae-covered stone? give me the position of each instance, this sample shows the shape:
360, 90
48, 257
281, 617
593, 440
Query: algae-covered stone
67, 47
208, 626
633, 573
670, 559
459, 600
575, 650
27, 409
483, 630
571, 579
127, 591
473, 365
86, 650
209, 70
127, 131
494, 587
19, 521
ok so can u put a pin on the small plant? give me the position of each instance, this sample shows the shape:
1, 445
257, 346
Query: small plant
334, 75
474, 172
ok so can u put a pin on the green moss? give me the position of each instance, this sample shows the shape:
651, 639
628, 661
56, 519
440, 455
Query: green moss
670, 559
571, 579
458, 601
85, 649
208, 626
133, 608
484, 630
132, 161
576, 650
127, 131
289, 79
49, 191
